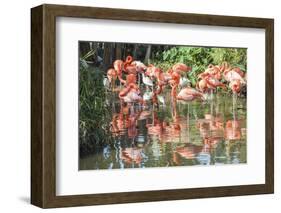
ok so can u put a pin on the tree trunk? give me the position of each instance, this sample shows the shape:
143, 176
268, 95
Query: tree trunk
135, 51
95, 59
147, 55
106, 56
118, 51
84, 48
111, 53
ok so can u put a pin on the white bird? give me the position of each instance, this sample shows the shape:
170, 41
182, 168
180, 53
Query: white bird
184, 82
106, 83
132, 97
140, 66
161, 99
147, 96
146, 80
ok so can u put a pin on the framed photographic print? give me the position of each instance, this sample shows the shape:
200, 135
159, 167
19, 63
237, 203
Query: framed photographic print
136, 106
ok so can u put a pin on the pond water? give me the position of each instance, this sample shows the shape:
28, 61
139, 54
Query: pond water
176, 134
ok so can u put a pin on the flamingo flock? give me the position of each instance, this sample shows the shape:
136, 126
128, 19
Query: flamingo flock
143, 84
214, 76
170, 117
133, 74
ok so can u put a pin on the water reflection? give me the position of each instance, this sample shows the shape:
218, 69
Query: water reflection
177, 134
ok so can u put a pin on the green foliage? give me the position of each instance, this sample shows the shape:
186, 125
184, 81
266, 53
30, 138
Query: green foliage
234, 56
94, 118
199, 58
88, 54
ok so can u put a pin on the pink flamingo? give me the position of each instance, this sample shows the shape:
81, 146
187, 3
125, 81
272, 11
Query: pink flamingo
225, 67
239, 71
131, 92
202, 85
162, 79
174, 82
211, 82
186, 94
190, 94
140, 67
157, 73
235, 86
215, 71
118, 66
181, 68
112, 76
235, 77
129, 67
232, 75
156, 95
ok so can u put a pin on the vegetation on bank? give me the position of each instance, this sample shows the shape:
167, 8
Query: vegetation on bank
94, 119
